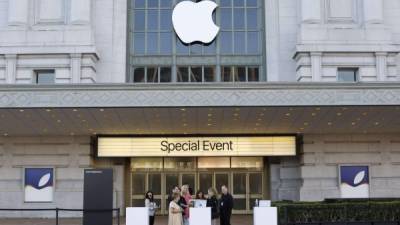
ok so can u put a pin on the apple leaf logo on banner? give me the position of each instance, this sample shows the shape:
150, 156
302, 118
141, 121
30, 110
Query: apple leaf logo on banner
359, 177
44, 180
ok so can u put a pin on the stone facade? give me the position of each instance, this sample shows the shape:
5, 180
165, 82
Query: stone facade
69, 156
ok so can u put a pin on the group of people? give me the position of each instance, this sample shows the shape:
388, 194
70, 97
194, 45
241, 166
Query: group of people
180, 200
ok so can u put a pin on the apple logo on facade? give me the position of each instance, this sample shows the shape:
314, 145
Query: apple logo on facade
193, 22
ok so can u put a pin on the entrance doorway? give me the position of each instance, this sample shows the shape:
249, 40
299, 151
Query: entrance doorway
246, 184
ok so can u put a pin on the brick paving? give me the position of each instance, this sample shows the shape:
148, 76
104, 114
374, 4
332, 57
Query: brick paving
161, 220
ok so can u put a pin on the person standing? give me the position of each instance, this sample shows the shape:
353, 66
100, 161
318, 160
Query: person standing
225, 206
200, 195
149, 203
188, 199
175, 211
212, 202
181, 202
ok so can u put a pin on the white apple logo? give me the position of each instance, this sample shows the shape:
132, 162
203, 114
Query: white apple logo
193, 21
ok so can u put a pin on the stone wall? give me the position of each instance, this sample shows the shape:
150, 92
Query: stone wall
324, 153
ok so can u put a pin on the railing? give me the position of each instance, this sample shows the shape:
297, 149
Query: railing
58, 210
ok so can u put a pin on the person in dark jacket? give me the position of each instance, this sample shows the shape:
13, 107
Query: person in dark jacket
225, 206
212, 202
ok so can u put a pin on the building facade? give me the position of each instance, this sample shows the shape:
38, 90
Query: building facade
323, 71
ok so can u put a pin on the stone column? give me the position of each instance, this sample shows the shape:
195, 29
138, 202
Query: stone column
76, 62
18, 12
316, 66
310, 11
11, 68
80, 11
381, 66
373, 11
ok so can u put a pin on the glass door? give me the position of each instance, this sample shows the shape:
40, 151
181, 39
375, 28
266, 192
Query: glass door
246, 188
143, 182
177, 179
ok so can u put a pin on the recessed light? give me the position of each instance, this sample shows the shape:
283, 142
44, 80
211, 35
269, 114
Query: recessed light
287, 114
318, 109
185, 124
101, 110
262, 114
305, 123
330, 123
376, 123
237, 109
353, 123
21, 110
5, 134
236, 114
48, 110
75, 110
209, 124
72, 133
209, 115
58, 121
339, 114
183, 109
302, 128
257, 124
313, 114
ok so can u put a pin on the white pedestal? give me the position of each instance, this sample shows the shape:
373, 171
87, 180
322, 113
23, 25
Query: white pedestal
200, 216
137, 216
265, 216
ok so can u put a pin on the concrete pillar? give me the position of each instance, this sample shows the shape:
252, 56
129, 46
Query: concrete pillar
18, 12
80, 11
381, 65
373, 11
76, 62
310, 11
272, 37
11, 68
316, 66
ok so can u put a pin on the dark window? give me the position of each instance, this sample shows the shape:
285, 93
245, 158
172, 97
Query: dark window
139, 75
45, 77
347, 74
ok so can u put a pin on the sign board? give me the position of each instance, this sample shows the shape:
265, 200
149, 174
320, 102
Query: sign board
98, 195
196, 146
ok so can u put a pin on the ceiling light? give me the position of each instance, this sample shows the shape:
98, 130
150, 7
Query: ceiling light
72, 133
287, 114
185, 124
305, 123
318, 109
302, 128
236, 114
330, 123
353, 123
101, 110
365, 113
339, 114
48, 110
209, 124
237, 109
313, 114
183, 109
261, 114
75, 110
376, 123
209, 115
21, 110
5, 134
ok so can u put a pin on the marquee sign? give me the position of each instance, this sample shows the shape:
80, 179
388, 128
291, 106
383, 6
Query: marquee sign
196, 146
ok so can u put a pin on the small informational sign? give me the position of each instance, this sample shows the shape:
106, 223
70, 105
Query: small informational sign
39, 184
264, 203
354, 181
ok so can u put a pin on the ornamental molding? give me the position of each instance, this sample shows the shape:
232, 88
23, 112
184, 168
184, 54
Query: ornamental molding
177, 95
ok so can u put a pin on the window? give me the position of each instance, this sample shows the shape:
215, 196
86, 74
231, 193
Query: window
152, 41
239, 74
44, 77
196, 74
151, 75
347, 74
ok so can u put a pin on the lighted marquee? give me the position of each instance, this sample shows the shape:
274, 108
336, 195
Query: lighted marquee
196, 146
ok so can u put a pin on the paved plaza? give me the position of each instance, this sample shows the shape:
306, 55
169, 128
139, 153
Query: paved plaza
161, 220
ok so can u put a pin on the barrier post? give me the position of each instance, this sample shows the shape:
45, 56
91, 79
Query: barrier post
56, 216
